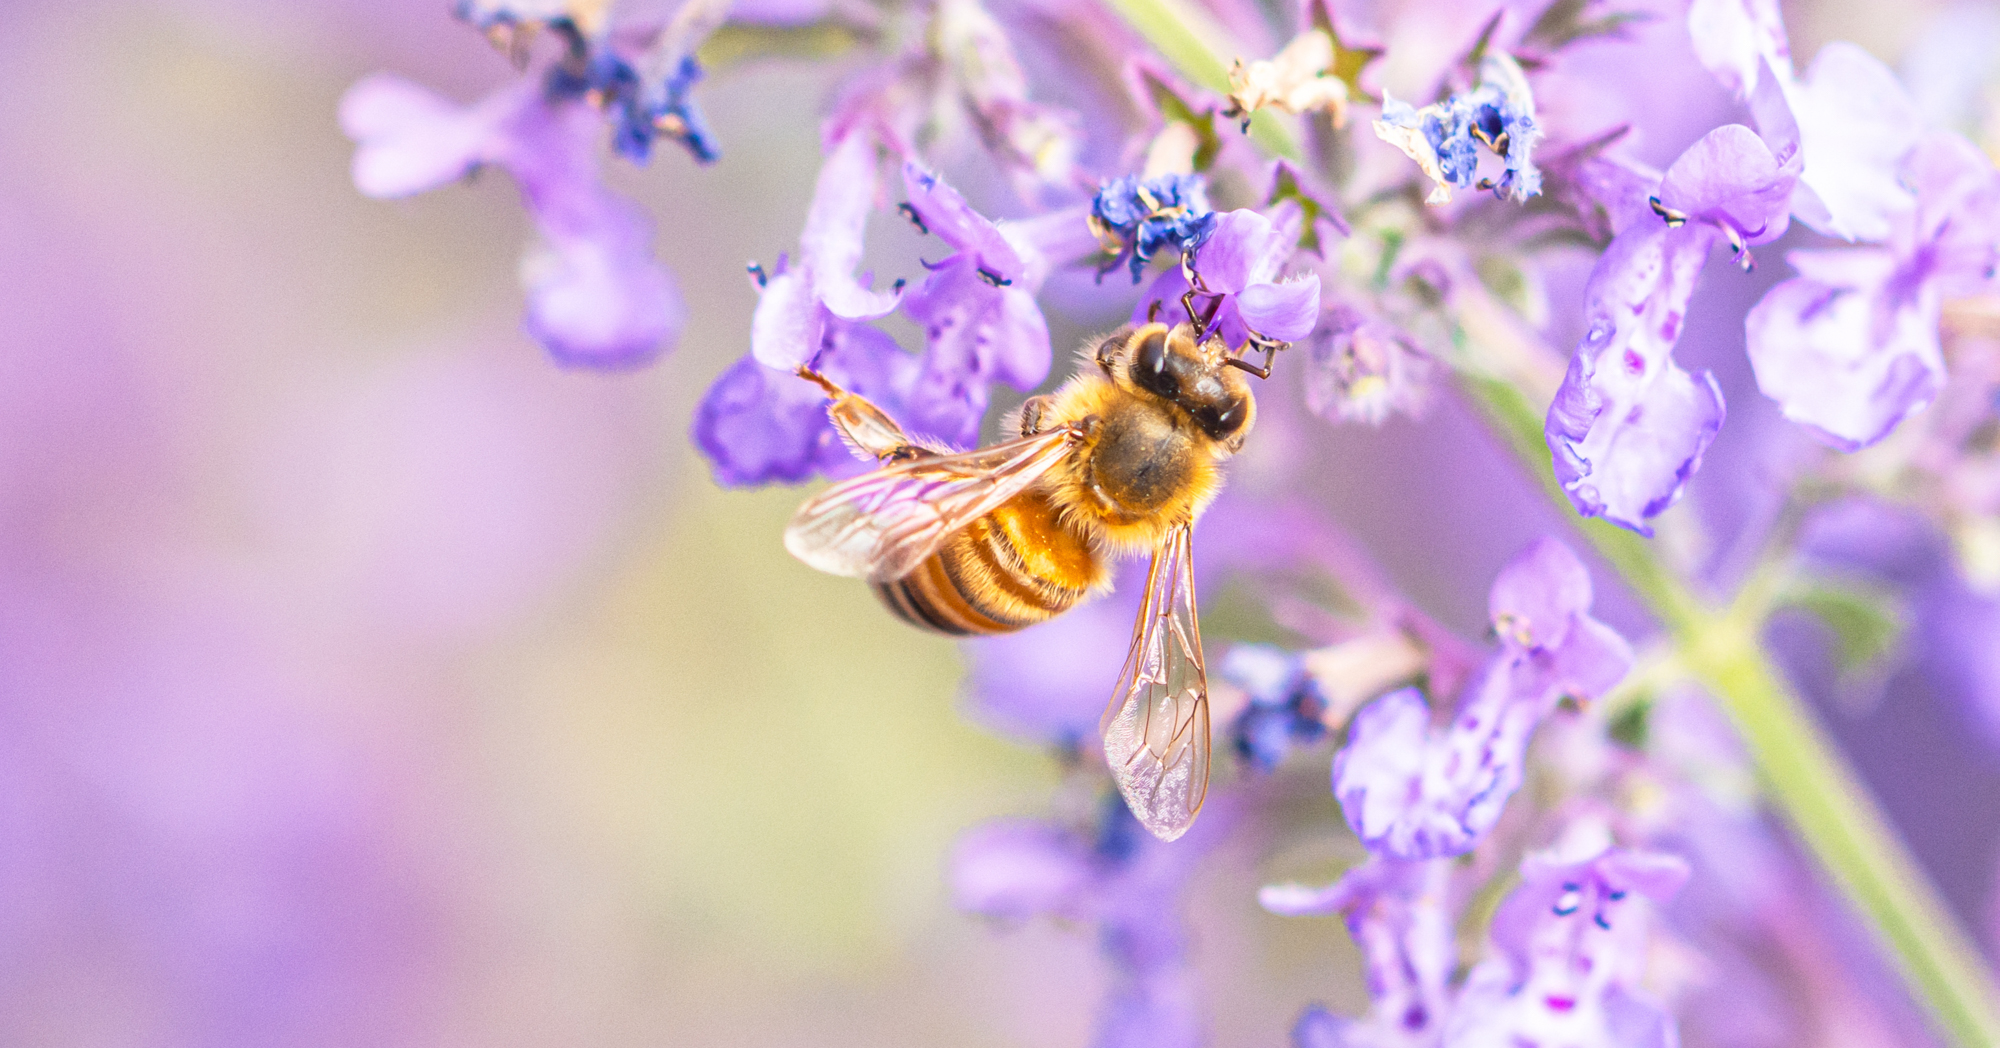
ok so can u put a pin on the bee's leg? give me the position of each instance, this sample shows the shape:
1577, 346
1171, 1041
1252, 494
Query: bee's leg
867, 429
1032, 412
1269, 345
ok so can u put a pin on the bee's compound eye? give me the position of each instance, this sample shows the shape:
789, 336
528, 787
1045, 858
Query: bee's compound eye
1222, 416
1152, 369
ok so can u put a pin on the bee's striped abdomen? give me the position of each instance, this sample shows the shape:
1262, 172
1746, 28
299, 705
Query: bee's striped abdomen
1009, 569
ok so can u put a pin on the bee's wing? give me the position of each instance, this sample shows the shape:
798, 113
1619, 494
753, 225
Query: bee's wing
881, 525
1156, 728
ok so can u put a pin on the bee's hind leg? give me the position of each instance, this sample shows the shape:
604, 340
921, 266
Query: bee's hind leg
866, 429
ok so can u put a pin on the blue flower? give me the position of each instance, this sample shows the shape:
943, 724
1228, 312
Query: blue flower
665, 107
1134, 218
1449, 139
1285, 703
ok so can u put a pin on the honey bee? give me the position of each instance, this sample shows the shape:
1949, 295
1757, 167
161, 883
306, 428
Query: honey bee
1120, 459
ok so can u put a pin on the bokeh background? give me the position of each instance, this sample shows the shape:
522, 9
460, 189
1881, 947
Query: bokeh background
365, 679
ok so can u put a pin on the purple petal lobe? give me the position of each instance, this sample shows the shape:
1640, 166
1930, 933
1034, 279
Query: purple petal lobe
1856, 126
411, 139
757, 425
1245, 248
1538, 594
977, 331
784, 331
597, 297
945, 213
1734, 39
1286, 312
1629, 426
831, 244
1731, 178
1847, 360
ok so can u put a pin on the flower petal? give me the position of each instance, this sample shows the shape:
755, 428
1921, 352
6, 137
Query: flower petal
1856, 125
410, 139
1730, 177
597, 297
1538, 595
1849, 360
945, 213
977, 331
830, 246
757, 426
1629, 426
1286, 312
784, 331
1733, 38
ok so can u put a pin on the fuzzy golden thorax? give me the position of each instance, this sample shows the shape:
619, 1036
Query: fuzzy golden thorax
1163, 412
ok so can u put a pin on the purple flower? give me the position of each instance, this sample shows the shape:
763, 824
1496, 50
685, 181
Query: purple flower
800, 300
1849, 348
1119, 878
1628, 426
1412, 791
1740, 41
1856, 126
1360, 369
978, 305
596, 296
1569, 949
1237, 286
1284, 704
1397, 914
758, 425
1134, 218
1851, 120
1036, 144
981, 325
1493, 124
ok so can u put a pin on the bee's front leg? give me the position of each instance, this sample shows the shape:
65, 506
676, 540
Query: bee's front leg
867, 429
1031, 414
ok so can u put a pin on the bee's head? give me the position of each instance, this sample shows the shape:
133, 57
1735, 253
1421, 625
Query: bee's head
1167, 364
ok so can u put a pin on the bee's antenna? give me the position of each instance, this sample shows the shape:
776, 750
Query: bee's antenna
1153, 311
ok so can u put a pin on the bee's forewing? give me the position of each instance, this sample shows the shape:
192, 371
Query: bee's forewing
881, 525
1156, 728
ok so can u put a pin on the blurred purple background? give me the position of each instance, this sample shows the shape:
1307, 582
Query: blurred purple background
367, 679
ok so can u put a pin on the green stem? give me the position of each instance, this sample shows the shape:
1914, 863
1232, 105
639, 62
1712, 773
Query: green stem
1801, 769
